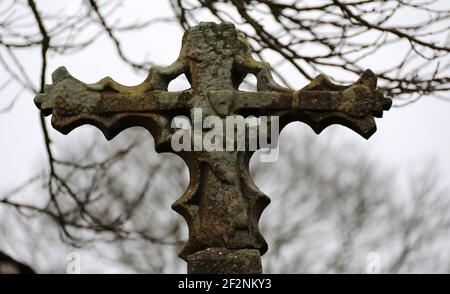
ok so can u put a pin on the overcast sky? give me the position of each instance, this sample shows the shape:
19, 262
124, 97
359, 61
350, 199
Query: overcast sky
405, 138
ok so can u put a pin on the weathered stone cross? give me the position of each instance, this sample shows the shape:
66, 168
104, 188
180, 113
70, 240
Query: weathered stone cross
222, 205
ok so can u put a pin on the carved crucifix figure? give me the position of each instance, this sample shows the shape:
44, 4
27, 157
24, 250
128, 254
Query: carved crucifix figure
222, 205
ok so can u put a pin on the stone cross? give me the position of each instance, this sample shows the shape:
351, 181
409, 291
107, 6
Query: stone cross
222, 205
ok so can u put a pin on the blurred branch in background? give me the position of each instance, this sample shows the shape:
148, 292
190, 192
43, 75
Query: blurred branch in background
332, 208
335, 204
329, 210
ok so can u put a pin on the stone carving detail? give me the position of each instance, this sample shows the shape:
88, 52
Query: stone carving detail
222, 205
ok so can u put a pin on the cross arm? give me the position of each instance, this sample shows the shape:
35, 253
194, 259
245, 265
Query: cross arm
109, 105
321, 103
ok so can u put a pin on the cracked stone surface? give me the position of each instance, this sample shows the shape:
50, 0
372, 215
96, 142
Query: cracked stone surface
225, 261
221, 205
